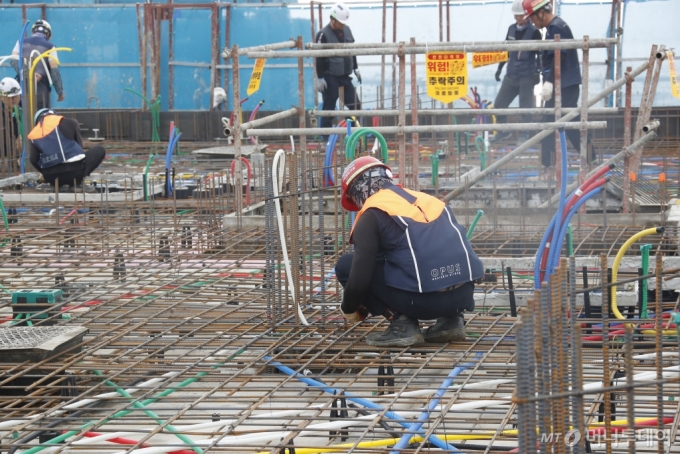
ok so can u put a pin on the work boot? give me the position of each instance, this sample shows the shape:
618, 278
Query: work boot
500, 135
446, 329
402, 332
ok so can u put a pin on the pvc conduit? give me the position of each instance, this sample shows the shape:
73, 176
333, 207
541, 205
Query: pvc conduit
617, 262
425, 415
31, 75
479, 214
359, 133
357, 400
278, 170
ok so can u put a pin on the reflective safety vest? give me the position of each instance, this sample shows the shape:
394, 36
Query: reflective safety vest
522, 63
339, 66
39, 44
54, 147
432, 251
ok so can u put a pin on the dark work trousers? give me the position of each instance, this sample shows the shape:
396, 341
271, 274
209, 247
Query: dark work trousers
332, 92
420, 306
70, 171
570, 96
42, 97
510, 88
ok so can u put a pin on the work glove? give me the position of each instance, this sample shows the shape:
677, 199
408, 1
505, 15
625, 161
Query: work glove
321, 85
498, 74
358, 74
357, 316
547, 91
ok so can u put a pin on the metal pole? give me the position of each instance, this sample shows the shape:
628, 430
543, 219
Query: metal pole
469, 46
441, 23
537, 138
236, 132
401, 50
449, 111
171, 57
414, 119
626, 141
402, 116
382, 60
626, 152
548, 127
301, 101
584, 113
215, 52
271, 118
557, 87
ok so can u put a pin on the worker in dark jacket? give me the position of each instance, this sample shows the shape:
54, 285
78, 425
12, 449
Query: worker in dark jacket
47, 70
10, 141
335, 72
411, 261
541, 15
522, 72
57, 150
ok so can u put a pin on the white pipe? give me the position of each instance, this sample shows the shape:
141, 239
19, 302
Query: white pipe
47, 71
8, 57
83, 402
277, 177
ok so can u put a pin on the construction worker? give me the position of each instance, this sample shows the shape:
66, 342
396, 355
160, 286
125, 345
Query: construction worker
57, 150
10, 96
411, 261
541, 15
335, 72
522, 72
33, 47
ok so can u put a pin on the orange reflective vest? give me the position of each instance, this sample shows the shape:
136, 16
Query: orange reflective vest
432, 251
54, 147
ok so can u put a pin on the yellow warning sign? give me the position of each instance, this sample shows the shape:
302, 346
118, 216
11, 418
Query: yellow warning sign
675, 86
446, 75
256, 77
480, 59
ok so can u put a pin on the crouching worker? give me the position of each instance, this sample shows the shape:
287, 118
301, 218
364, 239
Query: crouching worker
412, 260
56, 150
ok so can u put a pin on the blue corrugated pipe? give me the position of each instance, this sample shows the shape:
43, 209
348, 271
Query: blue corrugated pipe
425, 415
358, 400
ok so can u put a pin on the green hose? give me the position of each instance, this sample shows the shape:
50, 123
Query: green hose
145, 177
17, 115
4, 220
570, 241
154, 108
434, 159
455, 122
150, 413
482, 152
644, 251
480, 213
359, 133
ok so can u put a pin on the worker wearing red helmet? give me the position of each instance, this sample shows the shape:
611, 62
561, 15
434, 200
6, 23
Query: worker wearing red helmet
541, 15
411, 261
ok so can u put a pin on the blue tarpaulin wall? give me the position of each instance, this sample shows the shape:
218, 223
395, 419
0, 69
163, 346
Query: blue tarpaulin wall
105, 58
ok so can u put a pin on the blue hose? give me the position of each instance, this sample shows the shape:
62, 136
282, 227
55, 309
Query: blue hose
174, 138
358, 400
425, 415
555, 251
23, 93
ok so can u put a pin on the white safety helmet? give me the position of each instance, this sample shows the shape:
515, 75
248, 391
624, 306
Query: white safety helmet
42, 26
340, 12
517, 8
9, 87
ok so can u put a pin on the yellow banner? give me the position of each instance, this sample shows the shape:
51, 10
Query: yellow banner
446, 75
675, 86
256, 77
480, 59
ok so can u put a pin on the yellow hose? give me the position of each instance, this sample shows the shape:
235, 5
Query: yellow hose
617, 262
31, 74
486, 435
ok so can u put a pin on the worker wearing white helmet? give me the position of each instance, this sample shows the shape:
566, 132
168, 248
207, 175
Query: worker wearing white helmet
522, 72
335, 72
10, 96
46, 74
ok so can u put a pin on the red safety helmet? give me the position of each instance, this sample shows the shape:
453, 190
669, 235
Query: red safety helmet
531, 6
352, 171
